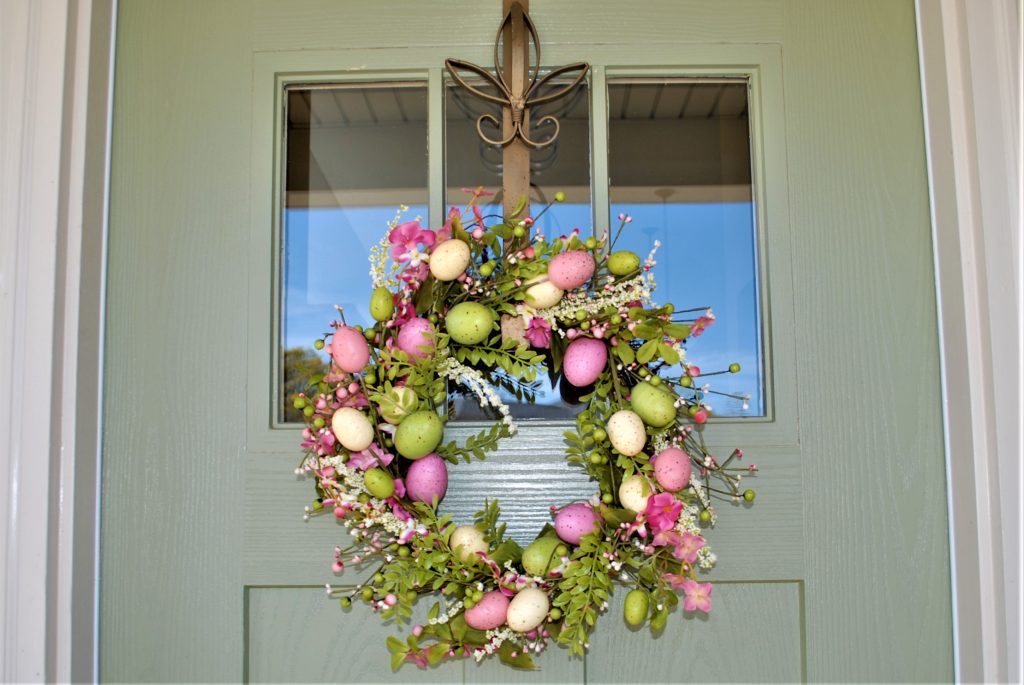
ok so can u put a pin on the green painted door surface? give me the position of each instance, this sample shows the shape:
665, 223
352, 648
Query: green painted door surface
839, 573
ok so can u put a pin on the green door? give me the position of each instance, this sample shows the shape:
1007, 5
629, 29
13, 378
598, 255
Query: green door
839, 572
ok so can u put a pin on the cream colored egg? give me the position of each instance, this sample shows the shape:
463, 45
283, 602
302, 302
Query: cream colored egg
626, 432
542, 293
466, 541
634, 493
527, 610
352, 429
449, 259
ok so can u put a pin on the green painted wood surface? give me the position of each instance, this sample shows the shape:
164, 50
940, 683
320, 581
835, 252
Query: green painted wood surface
840, 570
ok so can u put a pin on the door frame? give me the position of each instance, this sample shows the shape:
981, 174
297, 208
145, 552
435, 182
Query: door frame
62, 56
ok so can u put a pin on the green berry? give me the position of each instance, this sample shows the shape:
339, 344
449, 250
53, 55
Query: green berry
705, 517
686, 381
616, 319
378, 578
319, 344
600, 434
469, 604
319, 422
749, 495
669, 308
369, 334
487, 269
403, 551
595, 458
561, 550
519, 231
734, 368
559, 196
607, 498
580, 315
591, 243
345, 602
370, 378
308, 410
655, 380
478, 595
367, 593
555, 614
299, 402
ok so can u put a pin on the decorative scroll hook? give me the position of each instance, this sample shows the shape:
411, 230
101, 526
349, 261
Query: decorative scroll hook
525, 74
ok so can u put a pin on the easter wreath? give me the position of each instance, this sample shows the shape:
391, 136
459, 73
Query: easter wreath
474, 308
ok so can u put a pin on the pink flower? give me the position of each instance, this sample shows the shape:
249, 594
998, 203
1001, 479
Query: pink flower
404, 311
398, 510
445, 232
687, 547
663, 511
370, 457
538, 333
666, 537
698, 326
406, 238
698, 596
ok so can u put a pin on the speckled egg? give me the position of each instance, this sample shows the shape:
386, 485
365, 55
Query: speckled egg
466, 541
672, 469
634, 493
416, 338
623, 262
469, 323
352, 429
541, 293
419, 434
427, 478
574, 521
527, 610
626, 432
449, 259
382, 304
349, 349
489, 612
584, 360
653, 404
571, 269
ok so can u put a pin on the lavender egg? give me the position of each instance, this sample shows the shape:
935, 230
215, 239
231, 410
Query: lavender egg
584, 360
489, 612
571, 269
427, 478
575, 521
416, 338
349, 349
672, 469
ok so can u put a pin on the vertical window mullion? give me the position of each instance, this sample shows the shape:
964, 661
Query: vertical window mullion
599, 149
435, 146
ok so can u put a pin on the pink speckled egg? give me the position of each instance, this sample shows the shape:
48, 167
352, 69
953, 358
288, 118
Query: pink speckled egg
584, 360
489, 612
427, 478
571, 269
575, 521
349, 349
416, 338
672, 469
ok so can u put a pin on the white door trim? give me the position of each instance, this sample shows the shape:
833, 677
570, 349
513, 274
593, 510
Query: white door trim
55, 61
970, 69
57, 57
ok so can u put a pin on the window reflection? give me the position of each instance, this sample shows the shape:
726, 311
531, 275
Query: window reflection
679, 162
354, 154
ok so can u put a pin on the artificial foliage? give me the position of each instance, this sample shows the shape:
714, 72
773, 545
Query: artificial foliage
485, 307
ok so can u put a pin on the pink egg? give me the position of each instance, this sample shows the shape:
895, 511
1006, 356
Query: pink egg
672, 469
349, 349
575, 521
415, 334
489, 612
584, 360
427, 478
571, 269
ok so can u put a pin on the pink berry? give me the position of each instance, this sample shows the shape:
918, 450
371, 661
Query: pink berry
339, 512
337, 567
391, 600
700, 417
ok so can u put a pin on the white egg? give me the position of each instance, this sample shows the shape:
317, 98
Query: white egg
449, 259
352, 429
634, 493
527, 610
542, 293
626, 432
466, 541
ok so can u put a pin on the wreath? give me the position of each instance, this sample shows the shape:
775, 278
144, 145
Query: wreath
482, 309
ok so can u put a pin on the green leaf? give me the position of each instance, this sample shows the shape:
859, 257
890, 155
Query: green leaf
508, 550
647, 331
397, 659
459, 627
647, 351
520, 660
436, 652
615, 516
679, 331
625, 353
394, 644
668, 353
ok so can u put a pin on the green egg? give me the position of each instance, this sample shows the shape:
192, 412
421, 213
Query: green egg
636, 606
381, 304
540, 557
380, 484
655, 406
419, 434
469, 323
623, 262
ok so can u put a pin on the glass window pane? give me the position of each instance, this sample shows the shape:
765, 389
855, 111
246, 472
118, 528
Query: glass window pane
563, 166
679, 161
353, 154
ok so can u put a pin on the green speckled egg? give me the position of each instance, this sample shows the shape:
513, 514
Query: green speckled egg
469, 323
655, 406
623, 262
419, 434
381, 304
